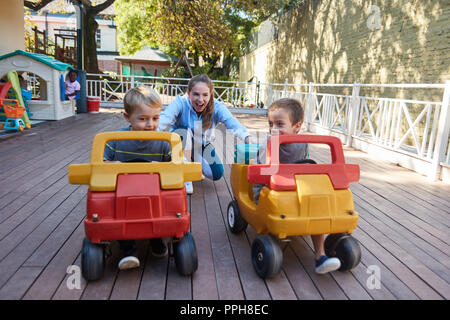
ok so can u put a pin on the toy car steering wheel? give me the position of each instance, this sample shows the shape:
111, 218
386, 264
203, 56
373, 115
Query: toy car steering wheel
310, 161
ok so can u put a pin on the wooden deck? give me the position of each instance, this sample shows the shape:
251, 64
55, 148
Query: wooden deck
403, 230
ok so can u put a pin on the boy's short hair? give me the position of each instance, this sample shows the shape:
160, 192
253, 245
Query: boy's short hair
141, 95
292, 106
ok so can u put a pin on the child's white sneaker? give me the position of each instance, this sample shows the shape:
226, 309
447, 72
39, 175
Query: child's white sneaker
189, 187
326, 264
129, 262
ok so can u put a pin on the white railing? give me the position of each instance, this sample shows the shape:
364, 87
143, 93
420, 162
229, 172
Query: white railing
413, 133
111, 89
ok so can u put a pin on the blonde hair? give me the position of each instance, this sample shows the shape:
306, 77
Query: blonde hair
208, 112
139, 96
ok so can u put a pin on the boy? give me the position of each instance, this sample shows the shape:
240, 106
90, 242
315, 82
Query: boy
142, 109
286, 117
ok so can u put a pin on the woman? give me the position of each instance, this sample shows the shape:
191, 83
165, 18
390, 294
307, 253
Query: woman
196, 111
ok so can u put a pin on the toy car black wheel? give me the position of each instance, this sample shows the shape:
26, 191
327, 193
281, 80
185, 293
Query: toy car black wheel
185, 253
92, 260
344, 247
267, 256
236, 223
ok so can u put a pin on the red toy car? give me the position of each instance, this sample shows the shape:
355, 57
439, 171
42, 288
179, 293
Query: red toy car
136, 200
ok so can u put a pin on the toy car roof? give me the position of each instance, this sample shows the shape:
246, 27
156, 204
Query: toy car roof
282, 176
102, 176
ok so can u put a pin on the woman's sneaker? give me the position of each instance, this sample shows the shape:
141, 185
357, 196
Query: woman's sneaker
189, 187
159, 248
129, 262
326, 264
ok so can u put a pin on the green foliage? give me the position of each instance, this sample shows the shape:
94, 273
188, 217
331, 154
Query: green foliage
205, 28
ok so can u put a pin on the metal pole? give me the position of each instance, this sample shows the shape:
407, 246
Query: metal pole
81, 103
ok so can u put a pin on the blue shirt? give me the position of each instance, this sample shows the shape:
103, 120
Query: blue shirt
181, 114
129, 150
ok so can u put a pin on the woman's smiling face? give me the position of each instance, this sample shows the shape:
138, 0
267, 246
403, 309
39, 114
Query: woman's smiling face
199, 96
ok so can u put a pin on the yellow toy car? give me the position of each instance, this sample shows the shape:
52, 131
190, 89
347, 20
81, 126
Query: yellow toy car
297, 199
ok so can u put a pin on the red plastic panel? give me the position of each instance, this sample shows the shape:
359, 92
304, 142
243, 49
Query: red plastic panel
138, 196
101, 203
282, 176
137, 210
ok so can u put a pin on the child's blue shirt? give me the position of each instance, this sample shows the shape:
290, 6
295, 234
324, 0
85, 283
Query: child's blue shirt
130, 150
181, 114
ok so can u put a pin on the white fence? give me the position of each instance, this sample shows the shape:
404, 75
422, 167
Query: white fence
412, 133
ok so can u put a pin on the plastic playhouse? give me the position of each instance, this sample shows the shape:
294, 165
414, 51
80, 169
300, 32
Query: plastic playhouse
51, 103
297, 199
136, 200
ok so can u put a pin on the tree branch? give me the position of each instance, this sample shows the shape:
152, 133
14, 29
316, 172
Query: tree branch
102, 6
36, 5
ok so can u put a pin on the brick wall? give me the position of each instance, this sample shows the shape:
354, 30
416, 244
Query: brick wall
109, 65
346, 41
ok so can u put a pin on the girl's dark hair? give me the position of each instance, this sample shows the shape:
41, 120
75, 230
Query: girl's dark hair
292, 106
208, 112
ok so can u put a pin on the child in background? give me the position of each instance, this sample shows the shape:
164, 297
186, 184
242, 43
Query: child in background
286, 117
142, 109
71, 86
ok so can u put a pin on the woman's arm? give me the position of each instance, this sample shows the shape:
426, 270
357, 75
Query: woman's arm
230, 122
170, 115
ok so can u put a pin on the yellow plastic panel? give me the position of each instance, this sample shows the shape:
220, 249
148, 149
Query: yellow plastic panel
101, 176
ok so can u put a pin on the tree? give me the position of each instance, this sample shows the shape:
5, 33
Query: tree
205, 28
91, 8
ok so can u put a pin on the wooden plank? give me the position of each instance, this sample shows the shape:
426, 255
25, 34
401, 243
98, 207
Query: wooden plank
435, 259
66, 292
153, 283
395, 202
227, 278
412, 182
178, 287
101, 289
54, 273
47, 163
298, 277
325, 283
48, 249
254, 287
420, 229
353, 289
204, 285
19, 283
420, 288
278, 285
420, 269
17, 247
126, 286
389, 281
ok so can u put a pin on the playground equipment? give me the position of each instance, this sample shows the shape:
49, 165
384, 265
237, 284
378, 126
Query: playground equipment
11, 121
14, 113
51, 104
137, 200
297, 199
